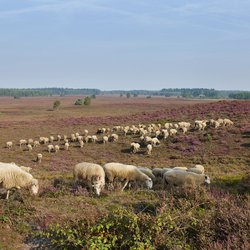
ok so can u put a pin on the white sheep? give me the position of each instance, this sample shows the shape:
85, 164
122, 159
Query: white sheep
105, 139
9, 144
29, 147
135, 147
155, 141
81, 143
127, 173
39, 158
227, 122
198, 169
51, 139
30, 141
165, 134
21, 142
50, 147
149, 149
148, 172
180, 168
27, 169
184, 178
88, 138
172, 132
94, 138
85, 132
114, 137
92, 174
59, 137
12, 176
66, 146
56, 148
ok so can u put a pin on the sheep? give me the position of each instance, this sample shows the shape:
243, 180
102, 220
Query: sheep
172, 132
12, 176
39, 158
29, 147
148, 172
79, 138
9, 144
165, 134
81, 143
36, 143
135, 147
73, 137
114, 137
127, 173
149, 149
155, 142
184, 178
85, 132
157, 172
59, 137
88, 138
51, 139
105, 139
66, 146
199, 169
227, 122
94, 138
21, 142
56, 148
92, 174
50, 148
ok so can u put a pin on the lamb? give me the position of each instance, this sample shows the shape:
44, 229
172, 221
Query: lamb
50, 148
135, 147
66, 146
92, 174
149, 149
127, 173
155, 141
39, 158
184, 178
9, 144
12, 176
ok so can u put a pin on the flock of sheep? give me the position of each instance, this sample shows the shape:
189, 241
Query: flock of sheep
94, 175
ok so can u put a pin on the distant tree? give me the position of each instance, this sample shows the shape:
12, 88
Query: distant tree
79, 102
128, 95
135, 94
16, 96
56, 104
87, 101
93, 96
149, 96
121, 95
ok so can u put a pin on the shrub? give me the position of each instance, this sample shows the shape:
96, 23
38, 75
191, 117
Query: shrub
87, 101
79, 102
56, 104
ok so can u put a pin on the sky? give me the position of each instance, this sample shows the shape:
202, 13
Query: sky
125, 44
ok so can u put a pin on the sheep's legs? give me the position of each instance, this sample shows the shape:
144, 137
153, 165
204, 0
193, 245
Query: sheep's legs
8, 193
126, 183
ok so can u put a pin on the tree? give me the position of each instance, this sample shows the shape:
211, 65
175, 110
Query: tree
56, 104
128, 95
87, 101
121, 95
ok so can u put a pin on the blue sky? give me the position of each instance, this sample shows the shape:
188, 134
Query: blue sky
125, 44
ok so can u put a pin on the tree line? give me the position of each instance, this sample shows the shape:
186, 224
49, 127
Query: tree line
167, 92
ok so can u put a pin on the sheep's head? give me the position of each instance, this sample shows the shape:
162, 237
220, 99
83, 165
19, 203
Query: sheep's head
34, 186
207, 179
97, 184
149, 183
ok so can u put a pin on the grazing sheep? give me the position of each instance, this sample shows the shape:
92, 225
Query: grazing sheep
184, 178
85, 132
155, 142
105, 139
157, 172
94, 138
29, 147
9, 144
56, 148
59, 137
50, 148
73, 137
127, 173
81, 143
65, 137
172, 132
149, 149
88, 138
148, 172
92, 174
12, 176
199, 169
227, 122
135, 147
66, 146
51, 139
39, 158
114, 137
36, 143
165, 134
21, 142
